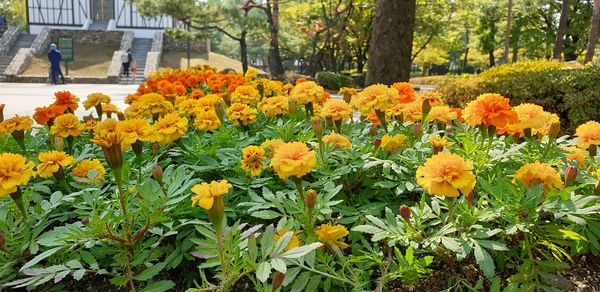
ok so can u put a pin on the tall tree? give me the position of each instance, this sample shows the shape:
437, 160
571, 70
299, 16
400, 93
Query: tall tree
593, 37
271, 10
391, 44
507, 33
562, 30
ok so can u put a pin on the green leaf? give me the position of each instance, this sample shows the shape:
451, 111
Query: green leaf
40, 257
159, 286
301, 251
279, 265
252, 248
78, 275
483, 258
301, 282
263, 271
282, 242
150, 272
266, 214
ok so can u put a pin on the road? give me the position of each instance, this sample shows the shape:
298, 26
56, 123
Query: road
23, 98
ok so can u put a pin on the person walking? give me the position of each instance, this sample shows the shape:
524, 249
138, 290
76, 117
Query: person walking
54, 56
133, 69
126, 60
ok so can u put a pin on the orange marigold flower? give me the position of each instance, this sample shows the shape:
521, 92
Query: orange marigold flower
271, 146
588, 134
406, 92
441, 114
169, 128
241, 114
374, 119
67, 99
252, 160
294, 241
375, 97
274, 106
95, 99
336, 110
245, 94
44, 114
446, 175
330, 235
67, 125
89, 171
207, 120
337, 141
536, 173
52, 161
307, 92
391, 144
459, 114
491, 110
293, 159
14, 171
434, 97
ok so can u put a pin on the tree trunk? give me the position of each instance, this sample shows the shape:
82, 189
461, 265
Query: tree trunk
391, 44
465, 60
274, 57
515, 54
492, 58
593, 37
562, 30
507, 34
244, 51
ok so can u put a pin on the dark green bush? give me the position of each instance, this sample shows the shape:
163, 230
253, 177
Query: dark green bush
334, 81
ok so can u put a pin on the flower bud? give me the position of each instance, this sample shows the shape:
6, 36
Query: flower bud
597, 188
311, 198
155, 148
524, 214
317, 126
377, 142
417, 129
220, 111
85, 221
372, 131
157, 173
329, 121
2, 112
470, 197
2, 240
426, 108
570, 175
277, 280
554, 130
405, 212
59, 144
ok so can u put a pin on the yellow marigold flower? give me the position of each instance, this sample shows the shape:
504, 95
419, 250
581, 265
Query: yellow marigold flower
271, 146
588, 134
90, 124
531, 116
549, 120
446, 175
135, 130
152, 104
67, 125
375, 97
337, 141
169, 128
274, 106
441, 114
293, 159
107, 134
438, 142
412, 111
16, 123
14, 171
110, 108
391, 144
536, 173
491, 110
188, 106
89, 170
574, 153
307, 92
207, 120
52, 161
336, 109
95, 99
434, 98
252, 160
208, 102
270, 87
251, 73
294, 241
245, 94
206, 194
242, 114
135, 112
348, 91
330, 235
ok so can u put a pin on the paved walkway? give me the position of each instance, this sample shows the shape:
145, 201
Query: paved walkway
23, 98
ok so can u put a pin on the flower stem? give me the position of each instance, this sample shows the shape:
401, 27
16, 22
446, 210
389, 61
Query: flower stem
298, 182
18, 198
450, 201
119, 179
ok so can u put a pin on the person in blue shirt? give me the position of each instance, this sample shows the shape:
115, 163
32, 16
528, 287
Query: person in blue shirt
55, 57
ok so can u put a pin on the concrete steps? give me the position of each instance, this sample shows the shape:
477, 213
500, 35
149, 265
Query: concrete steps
98, 26
139, 50
24, 41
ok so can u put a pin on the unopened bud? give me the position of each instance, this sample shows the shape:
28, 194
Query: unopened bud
2, 112
570, 175
470, 197
524, 214
157, 173
317, 126
277, 280
227, 99
329, 121
426, 108
155, 148
377, 142
592, 150
554, 130
2, 240
597, 188
311, 198
372, 131
405, 212
59, 144
417, 129
85, 221
220, 111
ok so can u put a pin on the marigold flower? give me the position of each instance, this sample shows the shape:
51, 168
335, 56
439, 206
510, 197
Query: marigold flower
531, 116
588, 134
95, 99
491, 110
375, 97
441, 114
306, 92
391, 144
107, 134
551, 125
293, 159
109, 109
252, 160
446, 175
205, 194
337, 141
187, 106
135, 130
574, 153
43, 115
208, 102
67, 100
294, 241
274, 106
89, 170
152, 104
271, 146
374, 119
15, 124
242, 114
207, 120
347, 92
536, 173
270, 88
330, 235
14, 171
67, 125
52, 161
245, 94
438, 143
406, 92
336, 110
169, 128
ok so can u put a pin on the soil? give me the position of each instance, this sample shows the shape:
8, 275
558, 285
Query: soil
585, 273
90, 61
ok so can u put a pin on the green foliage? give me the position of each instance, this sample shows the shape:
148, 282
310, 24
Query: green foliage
334, 81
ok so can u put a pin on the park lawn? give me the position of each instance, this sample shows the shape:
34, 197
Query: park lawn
90, 61
178, 59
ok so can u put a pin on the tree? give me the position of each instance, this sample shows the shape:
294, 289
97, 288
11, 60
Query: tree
391, 44
507, 33
271, 10
487, 30
593, 36
562, 30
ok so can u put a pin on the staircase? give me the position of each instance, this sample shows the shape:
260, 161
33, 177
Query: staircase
100, 25
24, 41
140, 50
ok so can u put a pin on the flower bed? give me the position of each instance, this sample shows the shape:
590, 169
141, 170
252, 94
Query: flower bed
277, 186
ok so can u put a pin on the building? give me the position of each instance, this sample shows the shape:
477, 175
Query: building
93, 14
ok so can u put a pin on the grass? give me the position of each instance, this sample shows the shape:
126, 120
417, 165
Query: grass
90, 61
178, 59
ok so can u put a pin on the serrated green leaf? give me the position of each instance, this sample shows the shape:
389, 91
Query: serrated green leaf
279, 265
263, 271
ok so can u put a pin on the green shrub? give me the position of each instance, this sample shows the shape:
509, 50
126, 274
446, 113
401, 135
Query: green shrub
334, 81
438, 80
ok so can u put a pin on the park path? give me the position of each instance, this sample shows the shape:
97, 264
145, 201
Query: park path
23, 98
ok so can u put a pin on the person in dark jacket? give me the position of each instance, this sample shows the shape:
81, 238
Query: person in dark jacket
126, 60
55, 57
